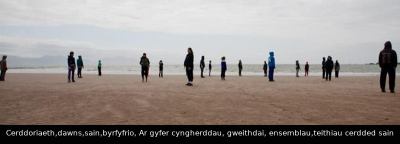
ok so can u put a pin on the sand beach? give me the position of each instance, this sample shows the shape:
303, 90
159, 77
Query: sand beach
249, 100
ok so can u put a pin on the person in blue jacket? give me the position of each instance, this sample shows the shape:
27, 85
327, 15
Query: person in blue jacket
271, 65
223, 68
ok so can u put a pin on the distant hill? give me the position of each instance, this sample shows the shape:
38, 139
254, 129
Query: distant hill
15, 61
42, 61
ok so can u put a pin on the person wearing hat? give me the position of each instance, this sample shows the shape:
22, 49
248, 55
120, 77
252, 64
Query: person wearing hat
71, 67
79, 62
329, 68
297, 68
388, 64
271, 65
145, 63
161, 65
3, 65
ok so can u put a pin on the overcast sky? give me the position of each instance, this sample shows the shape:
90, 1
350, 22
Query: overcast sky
352, 31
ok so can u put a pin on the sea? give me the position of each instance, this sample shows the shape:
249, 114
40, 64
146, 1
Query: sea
232, 69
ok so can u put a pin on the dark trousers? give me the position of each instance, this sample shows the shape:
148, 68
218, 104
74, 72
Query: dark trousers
336, 73
209, 72
2, 75
189, 74
323, 72
202, 69
240, 72
79, 72
328, 74
160, 74
271, 74
392, 77
99, 69
223, 70
71, 73
265, 73
144, 72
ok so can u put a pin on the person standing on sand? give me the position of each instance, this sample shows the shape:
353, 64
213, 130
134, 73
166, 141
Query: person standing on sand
337, 69
79, 62
223, 68
71, 67
202, 66
388, 64
271, 64
161, 67
145, 63
265, 68
297, 68
188, 64
209, 68
3, 67
323, 67
99, 67
240, 67
306, 69
329, 68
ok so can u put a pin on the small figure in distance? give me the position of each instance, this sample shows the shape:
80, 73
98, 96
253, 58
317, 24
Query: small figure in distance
271, 64
337, 69
188, 64
79, 62
223, 68
307, 67
323, 67
3, 67
297, 68
240, 67
161, 67
329, 68
209, 68
145, 63
71, 67
202, 66
99, 67
265, 68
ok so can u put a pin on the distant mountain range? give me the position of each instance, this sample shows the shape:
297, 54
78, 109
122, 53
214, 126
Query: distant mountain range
15, 61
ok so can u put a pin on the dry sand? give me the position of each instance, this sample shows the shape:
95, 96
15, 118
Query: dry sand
124, 99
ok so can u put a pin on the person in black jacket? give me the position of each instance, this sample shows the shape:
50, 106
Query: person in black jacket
209, 68
297, 68
202, 66
265, 68
388, 64
323, 67
145, 63
337, 69
240, 67
189, 66
329, 68
306, 69
161, 67
71, 67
